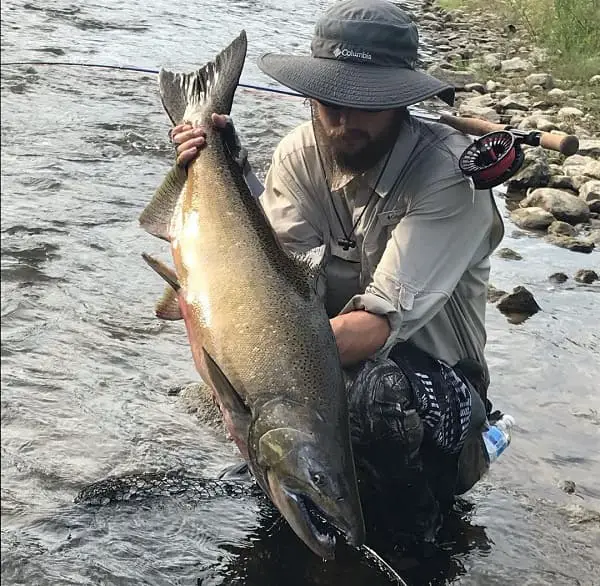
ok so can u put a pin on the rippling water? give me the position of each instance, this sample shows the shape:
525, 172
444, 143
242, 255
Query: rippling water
86, 368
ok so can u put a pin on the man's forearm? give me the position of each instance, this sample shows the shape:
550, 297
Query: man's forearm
359, 334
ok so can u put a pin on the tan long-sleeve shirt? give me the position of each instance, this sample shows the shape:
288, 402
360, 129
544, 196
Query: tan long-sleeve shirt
423, 241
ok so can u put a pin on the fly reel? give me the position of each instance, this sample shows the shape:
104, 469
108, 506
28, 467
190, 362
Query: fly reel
493, 158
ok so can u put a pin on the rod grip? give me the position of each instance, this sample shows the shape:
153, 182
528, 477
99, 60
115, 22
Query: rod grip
567, 145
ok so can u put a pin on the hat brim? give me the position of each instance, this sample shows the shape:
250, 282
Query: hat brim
354, 85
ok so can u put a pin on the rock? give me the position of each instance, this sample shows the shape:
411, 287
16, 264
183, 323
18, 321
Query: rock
573, 244
520, 301
544, 80
586, 276
562, 182
515, 64
457, 78
557, 278
568, 113
561, 204
594, 206
535, 171
485, 113
562, 229
484, 101
592, 169
532, 218
567, 486
492, 86
494, 294
509, 254
513, 102
589, 147
590, 190
594, 237
594, 80
556, 94
575, 166
545, 125
475, 87
492, 61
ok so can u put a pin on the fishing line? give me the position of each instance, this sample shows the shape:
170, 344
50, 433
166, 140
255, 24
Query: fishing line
140, 70
382, 565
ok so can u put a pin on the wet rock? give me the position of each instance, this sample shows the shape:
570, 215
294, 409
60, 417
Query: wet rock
562, 229
567, 486
494, 294
586, 276
569, 113
561, 204
573, 244
515, 64
535, 171
532, 218
521, 301
558, 278
590, 190
545, 80
509, 254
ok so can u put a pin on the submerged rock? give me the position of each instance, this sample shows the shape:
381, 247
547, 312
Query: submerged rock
567, 486
558, 278
574, 244
586, 276
532, 218
562, 229
509, 254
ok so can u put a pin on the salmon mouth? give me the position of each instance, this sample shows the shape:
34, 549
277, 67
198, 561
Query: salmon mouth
317, 529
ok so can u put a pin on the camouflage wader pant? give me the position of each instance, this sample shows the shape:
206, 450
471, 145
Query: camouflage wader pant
410, 416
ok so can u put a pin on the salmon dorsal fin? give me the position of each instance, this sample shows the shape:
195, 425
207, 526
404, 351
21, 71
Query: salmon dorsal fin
193, 97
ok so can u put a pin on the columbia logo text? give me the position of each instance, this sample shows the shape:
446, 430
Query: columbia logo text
351, 53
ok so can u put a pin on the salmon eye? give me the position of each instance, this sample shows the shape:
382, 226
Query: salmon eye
318, 479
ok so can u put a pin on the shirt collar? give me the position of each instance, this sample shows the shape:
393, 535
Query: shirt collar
402, 149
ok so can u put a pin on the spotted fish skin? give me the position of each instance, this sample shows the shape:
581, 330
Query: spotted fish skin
259, 334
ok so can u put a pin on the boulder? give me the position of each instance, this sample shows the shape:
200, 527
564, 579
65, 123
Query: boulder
532, 218
562, 229
561, 204
535, 171
520, 301
569, 113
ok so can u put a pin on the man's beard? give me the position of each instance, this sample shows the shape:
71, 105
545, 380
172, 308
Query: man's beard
366, 156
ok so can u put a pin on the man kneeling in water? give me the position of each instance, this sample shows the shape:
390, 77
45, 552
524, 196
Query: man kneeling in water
409, 243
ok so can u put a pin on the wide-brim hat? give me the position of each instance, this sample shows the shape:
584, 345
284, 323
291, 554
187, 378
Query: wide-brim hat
363, 55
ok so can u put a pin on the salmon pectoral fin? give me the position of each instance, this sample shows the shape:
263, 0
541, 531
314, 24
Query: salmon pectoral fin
229, 398
167, 273
167, 307
156, 217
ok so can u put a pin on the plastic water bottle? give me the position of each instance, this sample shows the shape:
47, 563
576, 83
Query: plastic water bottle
497, 437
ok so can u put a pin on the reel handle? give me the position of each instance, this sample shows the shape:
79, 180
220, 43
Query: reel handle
567, 145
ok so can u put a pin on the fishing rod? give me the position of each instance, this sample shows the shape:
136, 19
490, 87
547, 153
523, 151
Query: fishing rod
140, 70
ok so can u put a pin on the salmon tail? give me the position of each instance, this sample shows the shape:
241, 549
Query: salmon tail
193, 97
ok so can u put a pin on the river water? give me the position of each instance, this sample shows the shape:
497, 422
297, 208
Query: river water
86, 368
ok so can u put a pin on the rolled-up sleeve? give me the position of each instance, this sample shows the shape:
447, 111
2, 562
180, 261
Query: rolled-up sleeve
441, 235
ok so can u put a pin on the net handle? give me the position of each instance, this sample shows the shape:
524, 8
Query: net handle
567, 145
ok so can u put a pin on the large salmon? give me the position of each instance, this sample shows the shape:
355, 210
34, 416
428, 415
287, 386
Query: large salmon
259, 334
